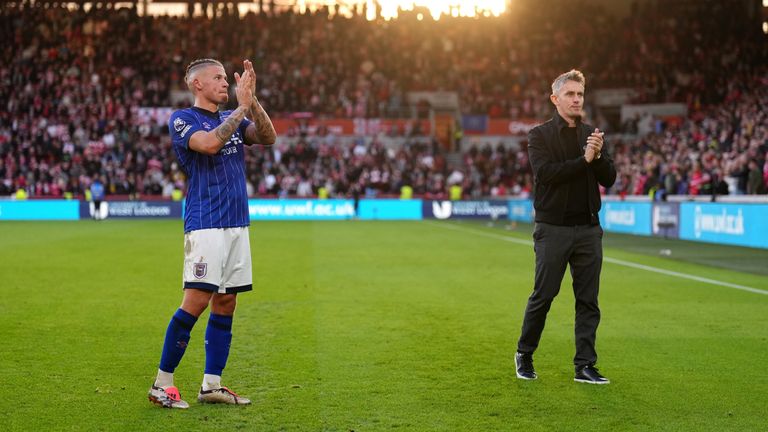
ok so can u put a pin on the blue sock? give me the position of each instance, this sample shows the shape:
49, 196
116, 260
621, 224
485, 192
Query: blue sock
218, 337
176, 340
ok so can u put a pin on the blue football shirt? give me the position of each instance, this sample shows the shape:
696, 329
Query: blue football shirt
216, 194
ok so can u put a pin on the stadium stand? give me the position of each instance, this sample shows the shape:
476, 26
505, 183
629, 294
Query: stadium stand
73, 85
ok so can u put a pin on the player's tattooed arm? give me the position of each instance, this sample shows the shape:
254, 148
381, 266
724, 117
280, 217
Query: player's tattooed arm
261, 131
225, 130
211, 142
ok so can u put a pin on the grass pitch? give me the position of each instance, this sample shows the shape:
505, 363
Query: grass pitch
368, 326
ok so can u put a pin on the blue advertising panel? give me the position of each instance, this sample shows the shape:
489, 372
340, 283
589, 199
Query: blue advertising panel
133, 209
626, 217
390, 209
481, 209
734, 224
666, 219
521, 210
39, 210
298, 209
474, 123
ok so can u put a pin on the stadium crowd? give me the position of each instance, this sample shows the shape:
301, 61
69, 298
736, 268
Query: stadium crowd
720, 150
72, 84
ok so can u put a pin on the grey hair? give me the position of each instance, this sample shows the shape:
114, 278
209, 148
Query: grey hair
571, 75
195, 65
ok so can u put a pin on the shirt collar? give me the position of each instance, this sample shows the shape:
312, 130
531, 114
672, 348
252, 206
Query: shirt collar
560, 122
205, 112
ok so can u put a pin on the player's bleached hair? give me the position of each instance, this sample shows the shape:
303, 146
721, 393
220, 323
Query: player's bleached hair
195, 65
571, 75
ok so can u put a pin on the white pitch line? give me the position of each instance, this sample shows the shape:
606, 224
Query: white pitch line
612, 260
684, 275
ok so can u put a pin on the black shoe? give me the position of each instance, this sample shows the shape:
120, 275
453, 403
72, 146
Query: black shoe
524, 366
590, 375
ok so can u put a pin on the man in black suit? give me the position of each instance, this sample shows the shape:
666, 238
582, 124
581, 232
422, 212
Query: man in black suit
568, 161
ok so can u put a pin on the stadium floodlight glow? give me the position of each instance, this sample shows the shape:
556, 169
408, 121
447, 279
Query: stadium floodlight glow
765, 27
388, 9
385, 9
374, 9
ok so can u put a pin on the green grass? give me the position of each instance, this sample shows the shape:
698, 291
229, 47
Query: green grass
742, 259
368, 326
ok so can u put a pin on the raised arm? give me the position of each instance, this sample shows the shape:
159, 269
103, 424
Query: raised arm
261, 131
210, 143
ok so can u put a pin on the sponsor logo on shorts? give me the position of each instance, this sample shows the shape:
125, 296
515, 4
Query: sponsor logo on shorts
200, 270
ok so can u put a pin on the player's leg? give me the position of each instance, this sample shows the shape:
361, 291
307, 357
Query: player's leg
236, 278
163, 391
201, 279
218, 339
178, 333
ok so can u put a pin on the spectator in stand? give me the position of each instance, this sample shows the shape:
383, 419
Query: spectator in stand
755, 180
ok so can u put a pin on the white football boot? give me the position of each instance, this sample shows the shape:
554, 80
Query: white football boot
168, 397
221, 395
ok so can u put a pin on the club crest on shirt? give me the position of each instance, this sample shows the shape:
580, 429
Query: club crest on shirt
200, 270
179, 124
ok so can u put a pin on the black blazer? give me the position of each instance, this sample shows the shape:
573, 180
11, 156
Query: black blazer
552, 173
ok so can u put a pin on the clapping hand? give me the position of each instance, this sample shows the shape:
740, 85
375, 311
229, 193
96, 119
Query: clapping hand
594, 145
248, 67
245, 86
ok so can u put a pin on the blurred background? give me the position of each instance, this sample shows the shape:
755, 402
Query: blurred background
383, 94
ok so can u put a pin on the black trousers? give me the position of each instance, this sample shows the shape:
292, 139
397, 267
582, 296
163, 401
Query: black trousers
555, 246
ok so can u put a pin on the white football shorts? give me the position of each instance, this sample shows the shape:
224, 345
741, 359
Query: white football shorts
218, 260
